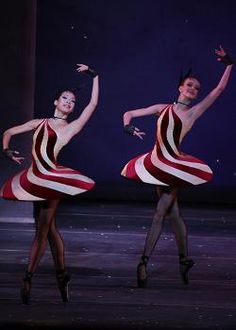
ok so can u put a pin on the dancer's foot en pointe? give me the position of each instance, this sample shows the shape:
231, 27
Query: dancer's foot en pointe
142, 272
26, 288
63, 280
185, 265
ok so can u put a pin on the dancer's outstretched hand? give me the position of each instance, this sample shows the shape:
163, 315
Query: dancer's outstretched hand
82, 67
138, 133
13, 155
18, 160
220, 52
132, 130
223, 57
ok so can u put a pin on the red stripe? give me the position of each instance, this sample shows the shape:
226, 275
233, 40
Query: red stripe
171, 179
49, 148
177, 128
163, 132
185, 168
161, 175
60, 179
39, 191
49, 193
52, 138
7, 190
130, 170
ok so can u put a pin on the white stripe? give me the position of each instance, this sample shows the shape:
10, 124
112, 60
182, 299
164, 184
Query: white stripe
174, 171
143, 174
170, 133
123, 172
200, 166
41, 168
43, 148
56, 186
73, 175
19, 192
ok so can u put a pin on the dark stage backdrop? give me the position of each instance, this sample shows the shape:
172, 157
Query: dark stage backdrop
17, 62
138, 48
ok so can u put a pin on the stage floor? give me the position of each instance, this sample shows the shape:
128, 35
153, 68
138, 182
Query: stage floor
103, 244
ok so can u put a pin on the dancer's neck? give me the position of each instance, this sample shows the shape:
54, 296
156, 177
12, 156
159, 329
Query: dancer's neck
179, 102
55, 117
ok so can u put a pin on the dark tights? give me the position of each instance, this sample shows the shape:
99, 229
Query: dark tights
46, 230
167, 206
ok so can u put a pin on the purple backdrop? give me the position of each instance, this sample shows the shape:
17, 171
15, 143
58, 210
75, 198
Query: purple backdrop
139, 49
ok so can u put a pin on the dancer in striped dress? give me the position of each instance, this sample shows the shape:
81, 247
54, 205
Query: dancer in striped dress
166, 167
46, 182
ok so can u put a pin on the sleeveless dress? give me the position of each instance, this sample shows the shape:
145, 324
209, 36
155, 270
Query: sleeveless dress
165, 165
45, 179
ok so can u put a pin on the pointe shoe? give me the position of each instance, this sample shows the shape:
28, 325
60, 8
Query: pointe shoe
142, 272
26, 288
184, 266
63, 280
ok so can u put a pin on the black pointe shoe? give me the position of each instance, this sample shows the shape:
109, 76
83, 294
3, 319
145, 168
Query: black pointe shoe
184, 267
26, 288
63, 280
142, 272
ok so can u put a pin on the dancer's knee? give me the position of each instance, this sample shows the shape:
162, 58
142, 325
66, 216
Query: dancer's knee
158, 218
42, 233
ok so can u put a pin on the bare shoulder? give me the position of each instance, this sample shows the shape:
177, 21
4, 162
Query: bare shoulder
37, 121
154, 109
161, 107
28, 126
34, 123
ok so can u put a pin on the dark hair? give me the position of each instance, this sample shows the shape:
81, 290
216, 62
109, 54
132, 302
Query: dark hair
62, 90
189, 77
186, 75
183, 76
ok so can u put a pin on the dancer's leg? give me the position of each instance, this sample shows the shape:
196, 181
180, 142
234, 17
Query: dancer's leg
180, 232
42, 222
57, 246
45, 212
179, 229
167, 197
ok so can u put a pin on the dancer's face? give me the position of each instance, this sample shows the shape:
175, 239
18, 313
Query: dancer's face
66, 102
190, 88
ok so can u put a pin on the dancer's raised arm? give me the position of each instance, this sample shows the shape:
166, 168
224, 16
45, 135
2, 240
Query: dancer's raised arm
76, 125
197, 110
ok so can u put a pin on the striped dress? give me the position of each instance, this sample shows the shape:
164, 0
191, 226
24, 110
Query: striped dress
45, 179
165, 165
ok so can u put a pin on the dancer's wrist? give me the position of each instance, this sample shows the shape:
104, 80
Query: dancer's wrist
8, 153
129, 129
226, 59
91, 72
